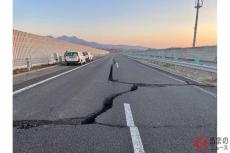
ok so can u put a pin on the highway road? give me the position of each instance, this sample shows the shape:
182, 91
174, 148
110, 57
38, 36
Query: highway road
111, 105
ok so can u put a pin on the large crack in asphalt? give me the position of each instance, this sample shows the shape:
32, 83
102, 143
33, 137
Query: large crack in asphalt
187, 83
26, 124
160, 126
107, 104
90, 119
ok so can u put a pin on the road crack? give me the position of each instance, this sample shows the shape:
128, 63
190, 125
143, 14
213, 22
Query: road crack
90, 119
27, 124
107, 104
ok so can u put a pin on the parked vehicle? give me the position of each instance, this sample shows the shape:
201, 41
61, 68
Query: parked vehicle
74, 57
88, 56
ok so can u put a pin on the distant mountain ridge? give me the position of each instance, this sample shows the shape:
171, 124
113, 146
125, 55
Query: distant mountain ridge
79, 41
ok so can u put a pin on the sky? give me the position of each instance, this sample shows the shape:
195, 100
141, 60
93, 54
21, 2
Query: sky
149, 23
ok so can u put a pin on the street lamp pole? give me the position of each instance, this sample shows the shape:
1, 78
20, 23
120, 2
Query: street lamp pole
198, 5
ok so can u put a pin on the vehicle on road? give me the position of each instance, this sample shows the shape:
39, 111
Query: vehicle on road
74, 57
88, 56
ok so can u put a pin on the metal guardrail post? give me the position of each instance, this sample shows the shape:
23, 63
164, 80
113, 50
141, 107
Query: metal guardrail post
56, 57
48, 60
197, 60
175, 56
60, 59
28, 63
163, 55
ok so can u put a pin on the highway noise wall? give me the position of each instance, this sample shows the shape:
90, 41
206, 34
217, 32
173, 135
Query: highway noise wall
39, 50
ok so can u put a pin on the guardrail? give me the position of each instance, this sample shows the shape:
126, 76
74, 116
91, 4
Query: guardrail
207, 68
201, 73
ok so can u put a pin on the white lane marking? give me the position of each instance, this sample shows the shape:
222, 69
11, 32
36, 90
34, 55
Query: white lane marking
117, 65
173, 78
199, 88
194, 86
166, 75
210, 93
128, 115
135, 135
51, 78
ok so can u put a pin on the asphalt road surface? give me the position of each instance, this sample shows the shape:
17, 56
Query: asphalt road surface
111, 105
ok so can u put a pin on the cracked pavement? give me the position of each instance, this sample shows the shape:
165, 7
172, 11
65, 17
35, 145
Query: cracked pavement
83, 111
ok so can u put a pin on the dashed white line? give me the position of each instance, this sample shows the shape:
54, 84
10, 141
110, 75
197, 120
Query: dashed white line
51, 78
135, 135
117, 65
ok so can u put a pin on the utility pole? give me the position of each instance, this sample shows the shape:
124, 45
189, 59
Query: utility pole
198, 5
